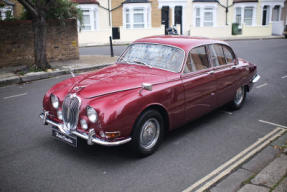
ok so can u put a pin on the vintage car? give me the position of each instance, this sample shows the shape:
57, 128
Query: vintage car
158, 84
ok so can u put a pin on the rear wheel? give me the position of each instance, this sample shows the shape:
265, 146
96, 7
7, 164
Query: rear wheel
147, 133
238, 99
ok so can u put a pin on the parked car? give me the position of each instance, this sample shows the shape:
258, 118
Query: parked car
158, 84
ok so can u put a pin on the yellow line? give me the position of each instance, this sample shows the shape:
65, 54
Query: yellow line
238, 163
219, 169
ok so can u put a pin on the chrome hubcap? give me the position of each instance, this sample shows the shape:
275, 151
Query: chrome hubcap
149, 133
239, 96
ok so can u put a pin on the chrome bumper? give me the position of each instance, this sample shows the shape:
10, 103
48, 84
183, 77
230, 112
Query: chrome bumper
255, 79
89, 137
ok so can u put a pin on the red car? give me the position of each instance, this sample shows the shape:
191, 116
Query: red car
158, 84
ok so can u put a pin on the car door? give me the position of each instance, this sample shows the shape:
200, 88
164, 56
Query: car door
226, 72
199, 83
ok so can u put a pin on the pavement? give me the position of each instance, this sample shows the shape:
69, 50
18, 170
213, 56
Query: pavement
197, 148
265, 172
17, 74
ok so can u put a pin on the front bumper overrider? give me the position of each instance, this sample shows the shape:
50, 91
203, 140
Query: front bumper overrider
90, 137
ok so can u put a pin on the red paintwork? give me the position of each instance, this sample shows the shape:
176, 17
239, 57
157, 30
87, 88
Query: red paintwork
115, 91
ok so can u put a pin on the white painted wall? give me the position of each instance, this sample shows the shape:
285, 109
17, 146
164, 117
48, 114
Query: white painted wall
277, 27
211, 32
99, 37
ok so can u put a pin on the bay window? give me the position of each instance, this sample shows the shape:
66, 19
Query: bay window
245, 13
238, 15
204, 15
90, 17
208, 17
197, 17
136, 16
248, 15
86, 23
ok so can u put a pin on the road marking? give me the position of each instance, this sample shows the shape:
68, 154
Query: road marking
283, 77
262, 85
227, 112
241, 161
270, 123
232, 160
12, 96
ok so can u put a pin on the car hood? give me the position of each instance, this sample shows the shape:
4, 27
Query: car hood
118, 77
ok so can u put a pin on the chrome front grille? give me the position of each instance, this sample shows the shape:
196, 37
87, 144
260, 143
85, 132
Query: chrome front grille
71, 107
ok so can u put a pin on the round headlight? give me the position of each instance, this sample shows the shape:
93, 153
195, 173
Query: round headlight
54, 101
92, 114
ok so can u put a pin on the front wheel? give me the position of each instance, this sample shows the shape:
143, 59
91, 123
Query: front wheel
147, 133
238, 99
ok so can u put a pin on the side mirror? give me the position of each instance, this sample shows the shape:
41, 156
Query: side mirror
147, 86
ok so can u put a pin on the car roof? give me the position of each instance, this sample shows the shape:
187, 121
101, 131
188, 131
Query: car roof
184, 42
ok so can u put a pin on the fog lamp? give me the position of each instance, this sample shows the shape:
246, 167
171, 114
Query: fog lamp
60, 114
92, 114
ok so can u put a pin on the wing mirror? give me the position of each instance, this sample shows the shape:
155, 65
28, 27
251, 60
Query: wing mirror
146, 86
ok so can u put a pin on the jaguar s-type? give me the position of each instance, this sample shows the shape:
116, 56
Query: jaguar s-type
159, 83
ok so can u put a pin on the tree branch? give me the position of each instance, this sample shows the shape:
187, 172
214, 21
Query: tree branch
28, 5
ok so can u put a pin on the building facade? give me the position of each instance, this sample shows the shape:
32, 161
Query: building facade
127, 20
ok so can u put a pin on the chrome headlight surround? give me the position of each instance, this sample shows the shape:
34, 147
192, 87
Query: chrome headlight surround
92, 114
55, 101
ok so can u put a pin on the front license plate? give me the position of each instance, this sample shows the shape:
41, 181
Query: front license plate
71, 140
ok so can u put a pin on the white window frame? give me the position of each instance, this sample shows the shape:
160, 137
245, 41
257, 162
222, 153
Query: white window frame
131, 7
5, 9
243, 6
94, 15
202, 7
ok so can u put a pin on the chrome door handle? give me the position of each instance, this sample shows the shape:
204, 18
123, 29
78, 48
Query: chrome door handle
210, 72
233, 67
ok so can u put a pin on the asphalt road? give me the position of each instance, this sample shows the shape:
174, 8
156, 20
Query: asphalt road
31, 160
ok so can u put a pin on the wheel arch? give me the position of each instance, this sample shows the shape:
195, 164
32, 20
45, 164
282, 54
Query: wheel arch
162, 111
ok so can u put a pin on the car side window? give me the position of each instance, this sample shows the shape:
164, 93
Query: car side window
198, 59
188, 67
220, 57
228, 53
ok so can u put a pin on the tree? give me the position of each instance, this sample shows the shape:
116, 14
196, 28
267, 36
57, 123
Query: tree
40, 11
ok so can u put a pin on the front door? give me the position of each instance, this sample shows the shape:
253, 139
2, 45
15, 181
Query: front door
178, 17
265, 15
165, 18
